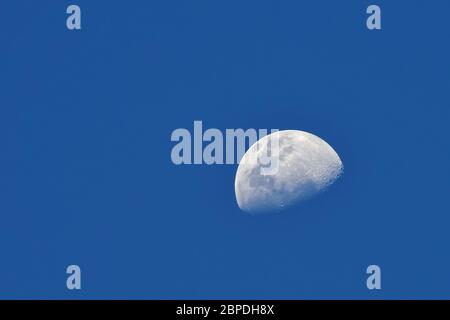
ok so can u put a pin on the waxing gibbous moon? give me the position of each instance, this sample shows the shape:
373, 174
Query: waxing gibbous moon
306, 166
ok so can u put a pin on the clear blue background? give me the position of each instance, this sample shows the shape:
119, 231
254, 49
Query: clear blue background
85, 170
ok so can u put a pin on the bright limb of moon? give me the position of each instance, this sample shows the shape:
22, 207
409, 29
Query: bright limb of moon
307, 165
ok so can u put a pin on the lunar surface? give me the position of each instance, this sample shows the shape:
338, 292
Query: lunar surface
307, 165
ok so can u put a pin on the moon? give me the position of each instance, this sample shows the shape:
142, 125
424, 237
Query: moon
306, 165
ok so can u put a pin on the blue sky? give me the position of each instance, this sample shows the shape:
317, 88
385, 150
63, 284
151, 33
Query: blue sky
85, 170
